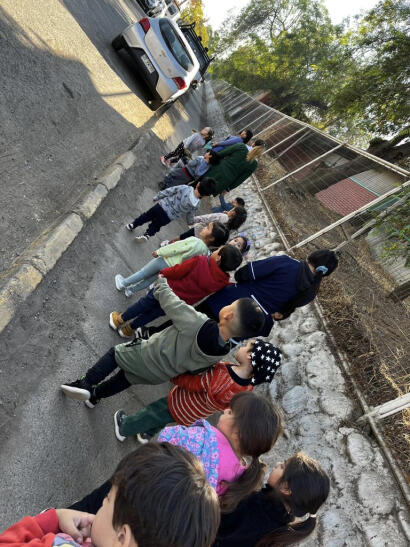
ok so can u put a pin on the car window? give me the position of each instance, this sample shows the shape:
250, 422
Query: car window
194, 46
175, 44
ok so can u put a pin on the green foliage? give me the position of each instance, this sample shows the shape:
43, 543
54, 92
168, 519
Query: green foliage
194, 13
351, 79
396, 226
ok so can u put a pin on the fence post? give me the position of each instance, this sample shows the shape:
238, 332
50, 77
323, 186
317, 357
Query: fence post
303, 166
387, 409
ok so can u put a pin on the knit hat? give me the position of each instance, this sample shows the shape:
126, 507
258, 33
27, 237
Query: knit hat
265, 360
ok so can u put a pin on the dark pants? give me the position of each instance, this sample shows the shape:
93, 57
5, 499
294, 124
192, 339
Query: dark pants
93, 501
176, 154
145, 310
149, 419
103, 368
188, 233
157, 218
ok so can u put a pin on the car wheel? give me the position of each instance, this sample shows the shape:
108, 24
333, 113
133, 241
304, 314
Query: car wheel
118, 42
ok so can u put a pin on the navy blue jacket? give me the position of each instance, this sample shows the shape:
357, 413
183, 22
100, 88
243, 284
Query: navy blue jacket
272, 283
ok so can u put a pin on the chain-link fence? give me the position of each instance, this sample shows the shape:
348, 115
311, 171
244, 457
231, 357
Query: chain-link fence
325, 193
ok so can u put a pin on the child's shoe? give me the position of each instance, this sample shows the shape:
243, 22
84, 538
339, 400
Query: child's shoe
92, 401
128, 292
164, 162
116, 320
164, 243
118, 419
126, 332
130, 226
143, 438
141, 239
119, 282
79, 390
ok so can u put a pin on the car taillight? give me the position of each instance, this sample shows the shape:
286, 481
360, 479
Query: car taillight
145, 24
180, 82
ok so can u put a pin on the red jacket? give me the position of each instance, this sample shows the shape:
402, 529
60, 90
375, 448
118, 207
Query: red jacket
196, 278
38, 531
197, 396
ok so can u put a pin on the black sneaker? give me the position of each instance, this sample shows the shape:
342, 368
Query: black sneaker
92, 401
79, 390
130, 226
118, 419
144, 438
142, 332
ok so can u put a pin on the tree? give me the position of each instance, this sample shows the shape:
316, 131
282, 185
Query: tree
194, 13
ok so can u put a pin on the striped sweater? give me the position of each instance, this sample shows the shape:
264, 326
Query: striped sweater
198, 396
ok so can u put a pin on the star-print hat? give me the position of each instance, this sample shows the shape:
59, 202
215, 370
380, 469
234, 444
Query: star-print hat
265, 360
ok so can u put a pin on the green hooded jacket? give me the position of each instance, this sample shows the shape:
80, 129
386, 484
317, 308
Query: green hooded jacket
233, 169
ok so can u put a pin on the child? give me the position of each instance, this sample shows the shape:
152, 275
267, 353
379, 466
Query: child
136, 511
244, 136
242, 242
174, 202
213, 235
228, 206
198, 396
192, 343
193, 169
248, 428
231, 219
192, 281
191, 144
282, 513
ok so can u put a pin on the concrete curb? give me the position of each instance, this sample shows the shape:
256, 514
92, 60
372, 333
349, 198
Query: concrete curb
43, 254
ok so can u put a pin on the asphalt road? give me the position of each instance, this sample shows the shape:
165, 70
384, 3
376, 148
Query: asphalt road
54, 450
69, 105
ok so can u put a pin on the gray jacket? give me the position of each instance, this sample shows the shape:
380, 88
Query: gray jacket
177, 201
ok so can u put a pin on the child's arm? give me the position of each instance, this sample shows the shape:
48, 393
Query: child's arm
228, 150
165, 193
180, 270
181, 314
211, 217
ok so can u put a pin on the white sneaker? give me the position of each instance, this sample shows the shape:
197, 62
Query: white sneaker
164, 243
163, 161
143, 438
128, 293
119, 282
141, 239
130, 226
118, 417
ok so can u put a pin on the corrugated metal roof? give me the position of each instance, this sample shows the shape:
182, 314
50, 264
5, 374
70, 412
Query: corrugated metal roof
378, 181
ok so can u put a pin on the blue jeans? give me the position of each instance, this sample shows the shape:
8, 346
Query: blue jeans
146, 275
223, 207
145, 310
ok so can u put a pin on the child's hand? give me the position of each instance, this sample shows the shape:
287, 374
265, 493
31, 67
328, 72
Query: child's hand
160, 275
75, 523
277, 316
154, 254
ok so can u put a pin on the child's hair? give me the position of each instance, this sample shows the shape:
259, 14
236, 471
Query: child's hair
249, 135
309, 487
324, 262
210, 134
238, 219
256, 151
220, 234
214, 159
164, 497
246, 243
259, 423
231, 257
250, 319
206, 186
259, 142
240, 201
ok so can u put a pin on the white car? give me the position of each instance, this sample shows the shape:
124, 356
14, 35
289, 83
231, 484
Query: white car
162, 54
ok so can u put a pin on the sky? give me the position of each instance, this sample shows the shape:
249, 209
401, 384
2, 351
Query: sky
338, 9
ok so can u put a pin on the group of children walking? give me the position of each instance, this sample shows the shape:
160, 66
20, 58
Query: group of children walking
160, 494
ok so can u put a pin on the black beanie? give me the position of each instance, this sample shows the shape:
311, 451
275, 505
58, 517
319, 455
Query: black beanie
265, 360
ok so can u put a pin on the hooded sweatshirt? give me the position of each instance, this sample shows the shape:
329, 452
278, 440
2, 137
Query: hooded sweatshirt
177, 201
177, 252
172, 351
196, 278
